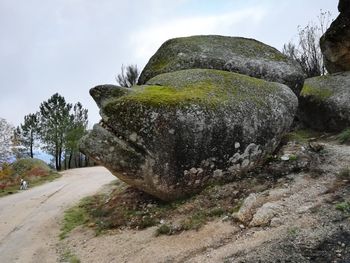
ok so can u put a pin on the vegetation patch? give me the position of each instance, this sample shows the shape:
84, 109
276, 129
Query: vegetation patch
75, 216
68, 256
124, 207
34, 171
344, 207
344, 136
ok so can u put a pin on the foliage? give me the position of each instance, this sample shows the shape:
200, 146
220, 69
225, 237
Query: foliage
30, 167
76, 130
6, 134
128, 76
28, 132
344, 136
54, 122
34, 171
163, 229
307, 51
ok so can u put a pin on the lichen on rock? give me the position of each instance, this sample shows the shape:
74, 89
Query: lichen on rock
185, 129
234, 54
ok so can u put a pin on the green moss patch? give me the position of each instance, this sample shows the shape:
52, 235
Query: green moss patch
207, 88
319, 94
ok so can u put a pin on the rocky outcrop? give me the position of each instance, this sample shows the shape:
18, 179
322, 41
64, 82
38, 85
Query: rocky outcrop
235, 54
325, 102
335, 43
184, 129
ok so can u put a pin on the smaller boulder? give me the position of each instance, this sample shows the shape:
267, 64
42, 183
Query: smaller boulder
325, 102
264, 214
235, 54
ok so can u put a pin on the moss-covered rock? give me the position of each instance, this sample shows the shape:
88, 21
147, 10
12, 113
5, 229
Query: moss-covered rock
184, 129
325, 102
235, 54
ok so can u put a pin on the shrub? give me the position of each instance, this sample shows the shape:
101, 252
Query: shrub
344, 136
164, 229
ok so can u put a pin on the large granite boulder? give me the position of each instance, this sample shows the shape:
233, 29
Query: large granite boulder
325, 102
235, 54
184, 129
335, 43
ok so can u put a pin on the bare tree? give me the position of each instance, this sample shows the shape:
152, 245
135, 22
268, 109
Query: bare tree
307, 51
6, 133
128, 76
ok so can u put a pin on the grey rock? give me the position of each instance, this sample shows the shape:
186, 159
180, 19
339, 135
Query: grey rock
264, 214
235, 54
325, 102
209, 112
335, 43
247, 210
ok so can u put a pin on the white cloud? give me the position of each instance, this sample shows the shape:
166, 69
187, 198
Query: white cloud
146, 41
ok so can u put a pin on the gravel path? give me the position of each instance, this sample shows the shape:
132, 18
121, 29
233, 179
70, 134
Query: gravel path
30, 220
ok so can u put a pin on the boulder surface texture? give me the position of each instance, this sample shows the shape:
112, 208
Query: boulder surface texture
184, 129
335, 43
325, 102
235, 54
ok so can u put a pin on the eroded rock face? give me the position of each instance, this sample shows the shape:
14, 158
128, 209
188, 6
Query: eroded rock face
235, 54
335, 43
325, 102
187, 128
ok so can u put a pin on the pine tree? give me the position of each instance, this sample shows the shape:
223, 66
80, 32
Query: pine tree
54, 122
28, 132
76, 130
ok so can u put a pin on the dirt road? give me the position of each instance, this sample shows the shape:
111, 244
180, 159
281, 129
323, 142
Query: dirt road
30, 220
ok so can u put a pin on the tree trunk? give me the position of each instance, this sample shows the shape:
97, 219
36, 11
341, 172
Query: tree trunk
56, 160
70, 159
59, 159
31, 150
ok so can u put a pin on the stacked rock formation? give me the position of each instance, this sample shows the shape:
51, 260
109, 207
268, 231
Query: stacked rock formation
325, 100
195, 118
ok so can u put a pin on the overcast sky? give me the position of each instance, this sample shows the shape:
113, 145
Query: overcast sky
70, 46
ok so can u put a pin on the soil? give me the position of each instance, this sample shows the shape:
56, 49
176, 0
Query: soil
308, 227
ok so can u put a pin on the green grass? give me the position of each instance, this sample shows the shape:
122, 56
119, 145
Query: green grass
344, 136
344, 207
194, 222
302, 135
68, 256
73, 217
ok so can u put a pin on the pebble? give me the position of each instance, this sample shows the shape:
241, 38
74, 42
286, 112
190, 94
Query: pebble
242, 226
